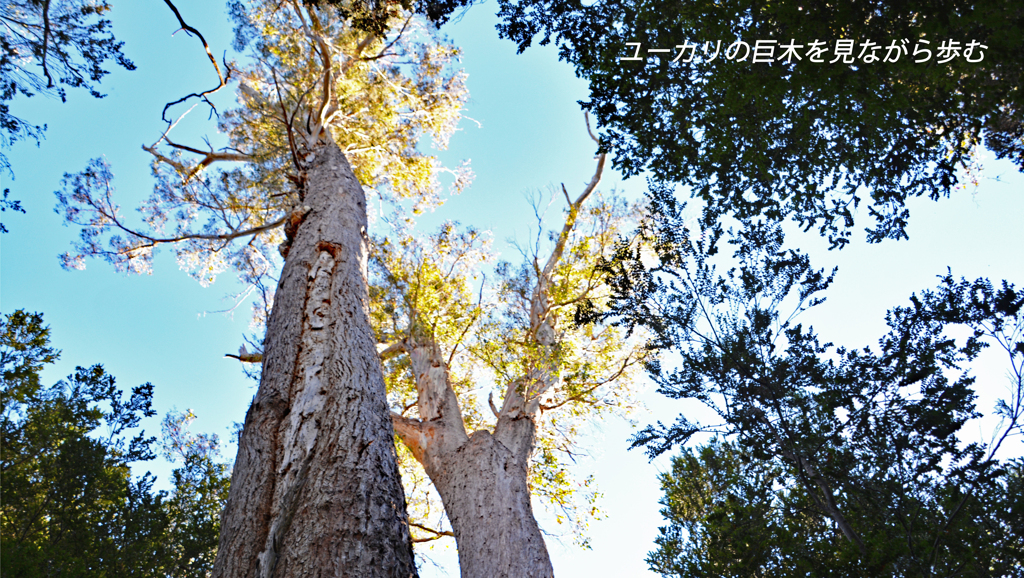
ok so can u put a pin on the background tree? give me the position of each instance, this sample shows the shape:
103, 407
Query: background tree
445, 343
70, 41
727, 516
200, 492
70, 505
800, 137
865, 442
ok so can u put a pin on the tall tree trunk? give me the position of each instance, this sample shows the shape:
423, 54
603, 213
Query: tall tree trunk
316, 489
481, 478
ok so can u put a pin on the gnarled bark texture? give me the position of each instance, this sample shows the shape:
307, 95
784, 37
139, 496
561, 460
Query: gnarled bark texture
316, 489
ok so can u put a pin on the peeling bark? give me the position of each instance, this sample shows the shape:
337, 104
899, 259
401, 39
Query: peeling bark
315, 489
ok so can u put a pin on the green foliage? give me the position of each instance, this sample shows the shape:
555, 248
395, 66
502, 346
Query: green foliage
70, 507
729, 514
5, 205
69, 504
802, 140
440, 288
25, 351
425, 287
848, 459
200, 492
382, 97
375, 16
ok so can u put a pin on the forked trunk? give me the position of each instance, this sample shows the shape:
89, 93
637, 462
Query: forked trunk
316, 489
481, 478
484, 489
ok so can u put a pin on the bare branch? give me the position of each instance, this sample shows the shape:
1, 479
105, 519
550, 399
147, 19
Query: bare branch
570, 220
288, 120
221, 79
414, 434
46, 41
437, 534
388, 351
586, 118
490, 402
209, 157
154, 241
247, 358
384, 50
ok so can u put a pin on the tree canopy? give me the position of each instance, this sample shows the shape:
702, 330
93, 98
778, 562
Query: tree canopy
512, 337
378, 96
833, 459
234, 218
358, 95
728, 515
873, 102
70, 505
68, 40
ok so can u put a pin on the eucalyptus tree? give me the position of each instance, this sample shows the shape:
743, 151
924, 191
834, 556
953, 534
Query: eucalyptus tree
797, 111
445, 343
315, 487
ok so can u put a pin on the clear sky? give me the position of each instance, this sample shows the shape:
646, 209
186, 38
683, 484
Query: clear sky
164, 328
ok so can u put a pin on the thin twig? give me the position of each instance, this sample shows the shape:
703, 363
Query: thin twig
437, 533
384, 50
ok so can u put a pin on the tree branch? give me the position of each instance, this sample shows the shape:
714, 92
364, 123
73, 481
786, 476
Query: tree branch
221, 79
570, 220
586, 118
413, 434
388, 351
154, 241
209, 157
46, 42
437, 533
384, 50
247, 358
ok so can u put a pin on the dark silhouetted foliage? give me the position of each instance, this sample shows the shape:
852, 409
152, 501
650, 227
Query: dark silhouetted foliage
839, 462
731, 515
70, 506
46, 45
794, 138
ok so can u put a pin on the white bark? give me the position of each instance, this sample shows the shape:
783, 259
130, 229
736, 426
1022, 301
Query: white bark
315, 489
482, 478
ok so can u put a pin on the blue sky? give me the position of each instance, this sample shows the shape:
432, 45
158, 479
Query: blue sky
164, 328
